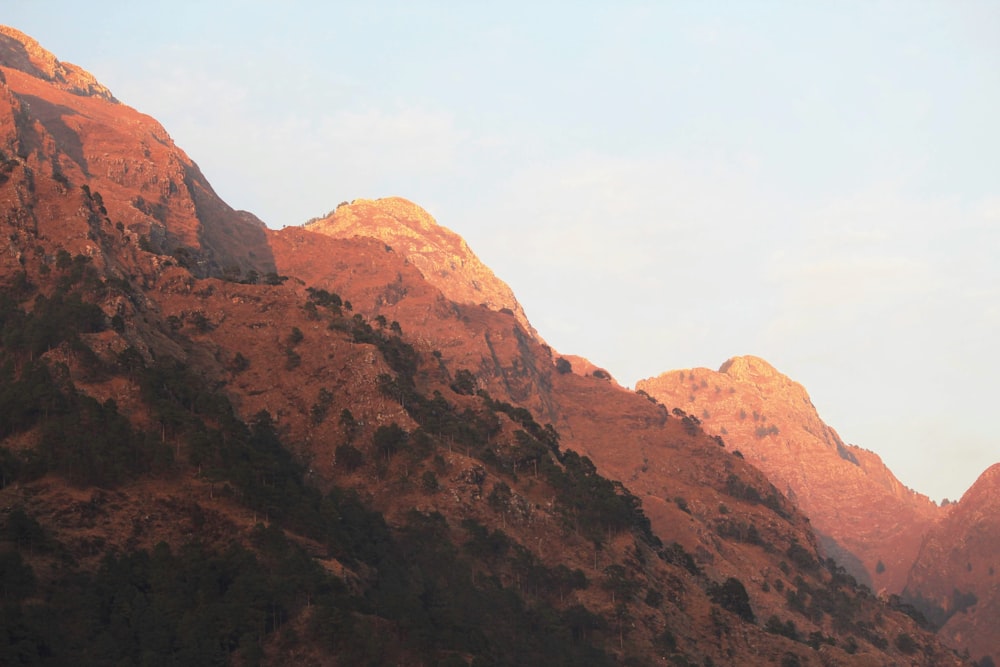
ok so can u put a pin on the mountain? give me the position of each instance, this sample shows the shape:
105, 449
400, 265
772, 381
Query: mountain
940, 560
955, 580
443, 257
225, 444
60, 129
861, 513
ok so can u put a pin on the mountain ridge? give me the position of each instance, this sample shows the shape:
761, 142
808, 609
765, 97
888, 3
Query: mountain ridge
303, 440
782, 433
885, 534
24, 53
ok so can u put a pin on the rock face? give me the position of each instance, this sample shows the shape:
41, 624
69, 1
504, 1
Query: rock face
956, 577
862, 514
441, 255
61, 130
21, 52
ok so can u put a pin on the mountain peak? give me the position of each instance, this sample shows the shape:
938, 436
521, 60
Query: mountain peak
21, 52
441, 255
862, 514
119, 164
988, 483
748, 368
400, 209
768, 382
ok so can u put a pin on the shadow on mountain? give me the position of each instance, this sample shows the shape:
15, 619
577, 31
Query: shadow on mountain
845, 558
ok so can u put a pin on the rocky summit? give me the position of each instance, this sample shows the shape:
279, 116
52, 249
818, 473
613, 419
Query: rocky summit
442, 256
886, 535
860, 511
343, 443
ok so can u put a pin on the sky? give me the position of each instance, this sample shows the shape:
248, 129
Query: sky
664, 185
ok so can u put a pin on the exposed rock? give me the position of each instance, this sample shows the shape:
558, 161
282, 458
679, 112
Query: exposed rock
862, 514
441, 255
956, 576
72, 148
21, 52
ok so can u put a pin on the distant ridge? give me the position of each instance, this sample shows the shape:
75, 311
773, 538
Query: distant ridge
865, 517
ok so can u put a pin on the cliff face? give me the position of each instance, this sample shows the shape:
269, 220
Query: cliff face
862, 514
955, 580
344, 443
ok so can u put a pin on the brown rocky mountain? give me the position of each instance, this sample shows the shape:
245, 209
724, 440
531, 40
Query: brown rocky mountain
60, 129
441, 255
225, 444
884, 533
861, 513
20, 52
955, 580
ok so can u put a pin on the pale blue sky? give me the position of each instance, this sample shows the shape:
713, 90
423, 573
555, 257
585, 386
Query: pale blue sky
664, 185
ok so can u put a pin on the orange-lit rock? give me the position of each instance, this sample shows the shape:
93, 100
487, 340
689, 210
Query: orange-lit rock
60, 130
862, 514
957, 572
441, 255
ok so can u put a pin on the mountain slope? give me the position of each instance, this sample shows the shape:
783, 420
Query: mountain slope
709, 503
228, 445
864, 516
955, 580
60, 129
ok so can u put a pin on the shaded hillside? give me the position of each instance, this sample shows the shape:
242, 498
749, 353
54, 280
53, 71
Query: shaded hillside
862, 514
955, 580
227, 445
